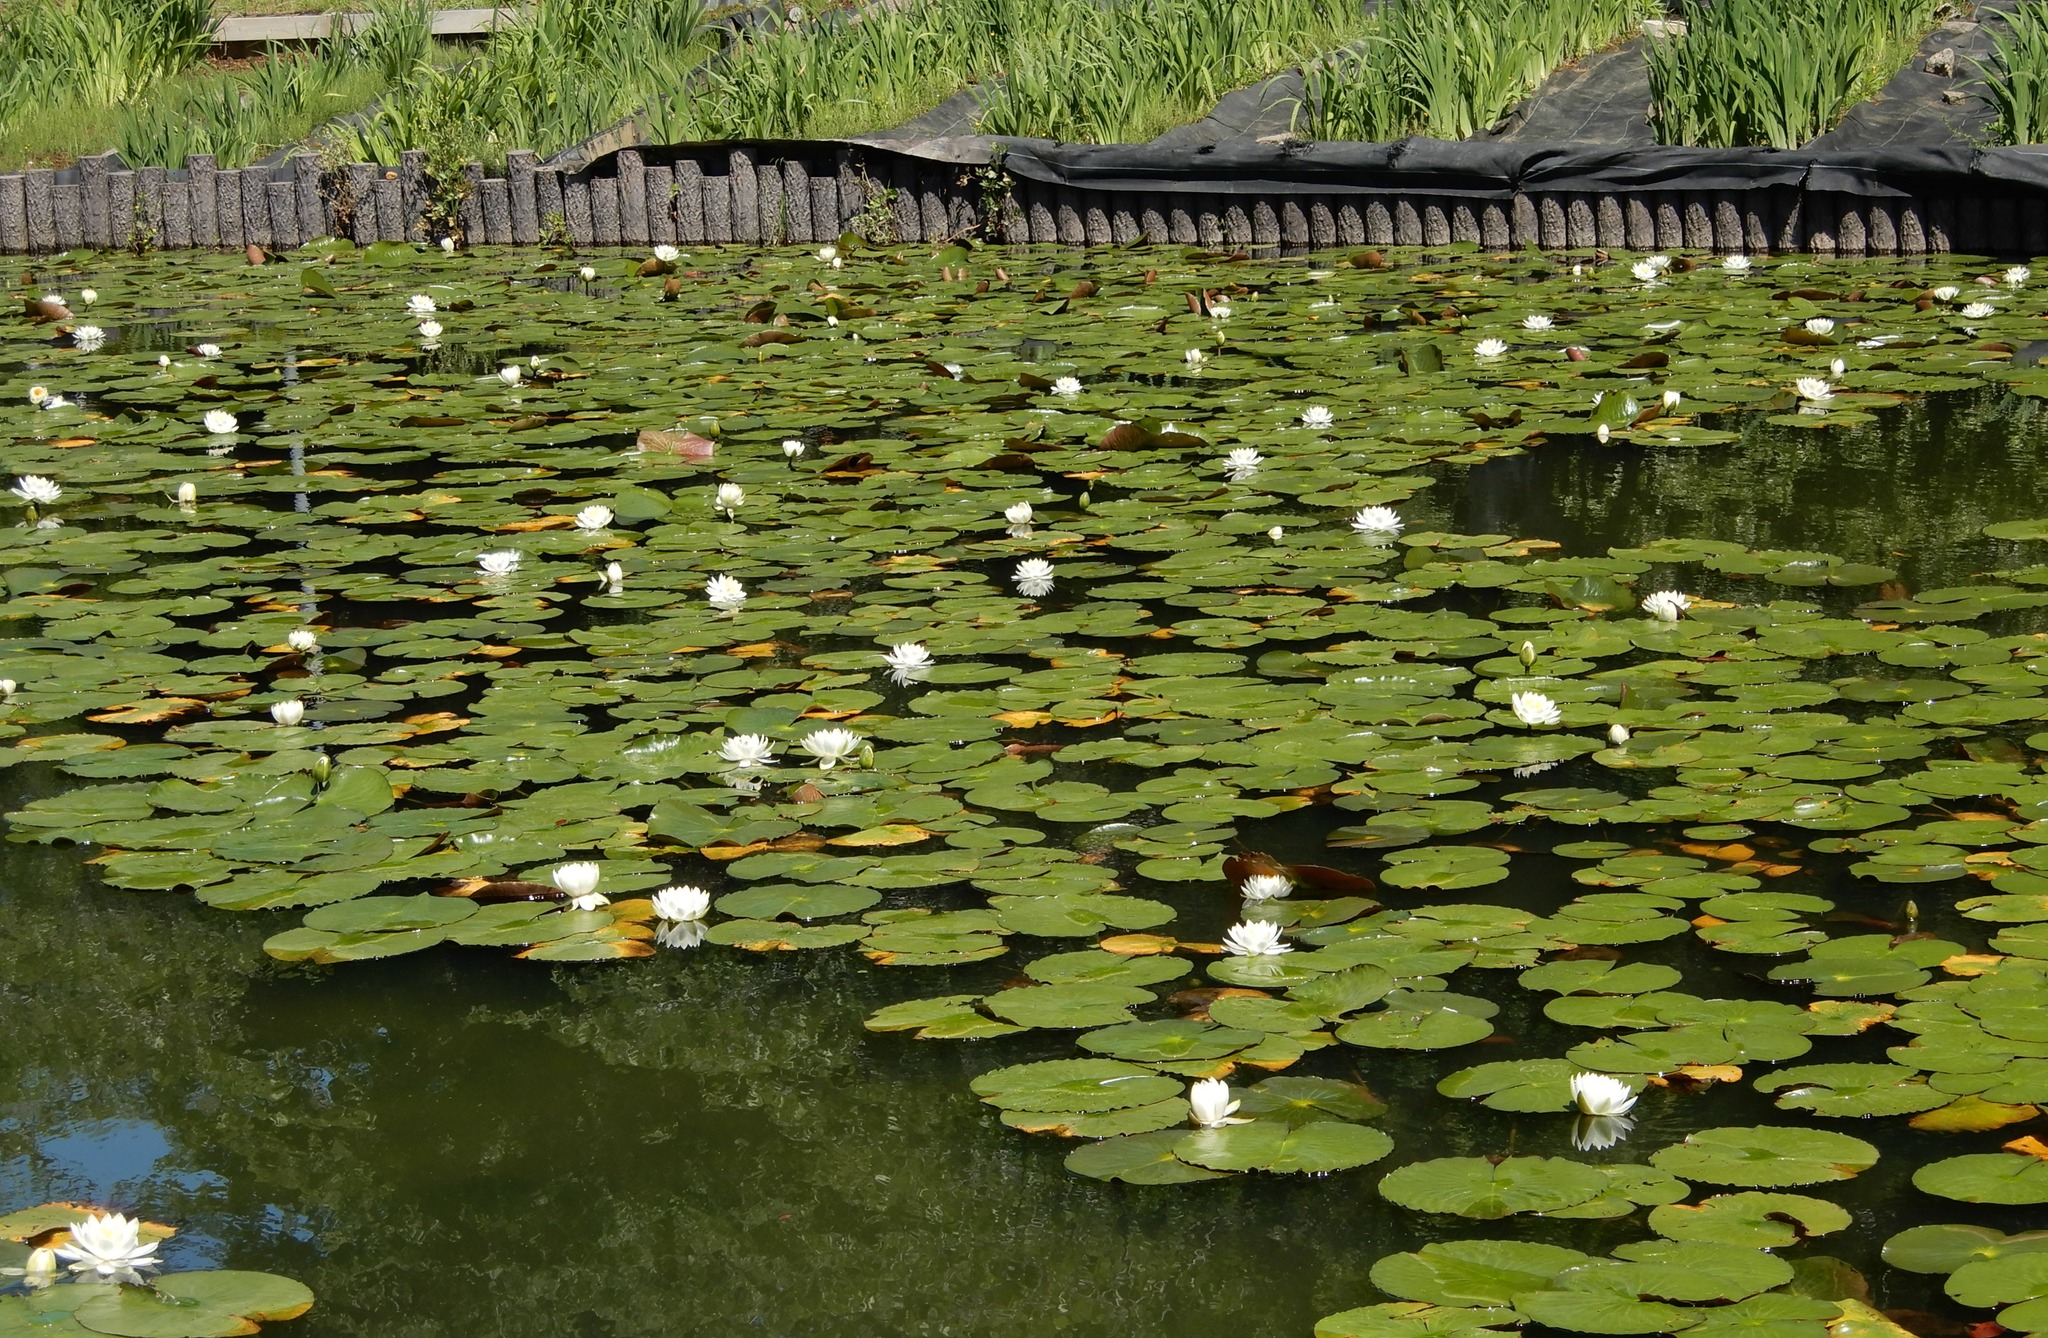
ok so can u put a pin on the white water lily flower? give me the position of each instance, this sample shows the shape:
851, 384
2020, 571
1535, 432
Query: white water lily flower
7, 688
430, 329
1067, 387
792, 448
511, 376
1254, 938
419, 304
1537, 322
88, 338
1946, 293
684, 901
1672, 399
1317, 417
107, 1244
1644, 271
1377, 522
38, 394
729, 499
1735, 264
1219, 311
594, 517
288, 712
187, 496
448, 246
1195, 357
1601, 433
587, 273
666, 254
1618, 734
1814, 389
1526, 653
1242, 463
503, 562
1210, 1105
578, 881
1265, 886
1659, 263
747, 750
1598, 1094
1489, 348
1597, 1133
1276, 534
725, 593
1018, 513
614, 576
828, 254
908, 662
220, 422
1819, 325
1666, 606
36, 490
1033, 577
2014, 277
1978, 311
207, 350
88, 296
304, 640
831, 746
1533, 709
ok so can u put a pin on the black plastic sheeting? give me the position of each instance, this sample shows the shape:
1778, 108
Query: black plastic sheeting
1499, 170
1913, 107
1603, 98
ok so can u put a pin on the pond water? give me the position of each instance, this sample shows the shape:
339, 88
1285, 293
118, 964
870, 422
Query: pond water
681, 1136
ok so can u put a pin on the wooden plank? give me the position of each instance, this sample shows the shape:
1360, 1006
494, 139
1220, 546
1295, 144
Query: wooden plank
42, 210
634, 228
150, 216
690, 202
13, 213
497, 195
1496, 233
1237, 225
255, 183
412, 195
392, 224
773, 206
1095, 225
470, 213
67, 208
315, 219
519, 176
746, 197
717, 209
92, 172
177, 229
1350, 224
1322, 225
1610, 222
826, 221
1464, 222
1181, 228
661, 204
796, 197
1553, 229
266, 29
1580, 230
284, 214
361, 200
200, 171
1642, 223
576, 211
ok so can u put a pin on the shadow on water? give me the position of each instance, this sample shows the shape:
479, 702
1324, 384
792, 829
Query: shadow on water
709, 1143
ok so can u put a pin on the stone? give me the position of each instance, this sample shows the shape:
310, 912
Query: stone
1942, 62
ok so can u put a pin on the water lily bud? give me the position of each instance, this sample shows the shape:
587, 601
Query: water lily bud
614, 575
7, 688
1838, 367
323, 767
40, 1269
587, 273
510, 375
1617, 734
288, 712
448, 246
88, 296
163, 359
867, 756
792, 448
1671, 400
1601, 434
1275, 533
188, 495
1528, 654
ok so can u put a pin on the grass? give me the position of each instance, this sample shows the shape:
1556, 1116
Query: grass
1760, 72
1451, 71
2016, 76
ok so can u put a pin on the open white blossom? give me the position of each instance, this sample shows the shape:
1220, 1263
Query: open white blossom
1380, 523
1947, 292
511, 376
684, 901
1219, 311
1242, 463
1067, 387
88, 338
430, 330
1033, 578
419, 304
578, 881
1598, 1094
1735, 264
729, 499
1018, 513
304, 640
828, 254
220, 422
1194, 357
1979, 311
1645, 271
288, 712
666, 254
908, 662
1254, 938
502, 562
1659, 263
1265, 886
792, 447
831, 746
747, 750
1819, 325
448, 246
207, 350
89, 296
109, 1245
1597, 1133
1317, 417
1666, 606
2013, 277
594, 517
1489, 348
1814, 389
1210, 1105
725, 593
1538, 322
1533, 709
36, 490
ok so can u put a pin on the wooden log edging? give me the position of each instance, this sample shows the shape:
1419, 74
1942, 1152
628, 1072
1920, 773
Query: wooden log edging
1991, 202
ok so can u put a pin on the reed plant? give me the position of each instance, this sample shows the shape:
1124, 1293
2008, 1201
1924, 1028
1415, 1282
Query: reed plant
1764, 72
2016, 76
66, 64
1451, 71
